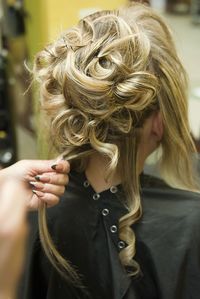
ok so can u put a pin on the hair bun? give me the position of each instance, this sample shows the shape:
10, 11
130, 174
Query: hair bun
92, 77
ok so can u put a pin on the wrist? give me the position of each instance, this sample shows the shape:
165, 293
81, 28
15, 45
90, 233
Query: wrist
6, 174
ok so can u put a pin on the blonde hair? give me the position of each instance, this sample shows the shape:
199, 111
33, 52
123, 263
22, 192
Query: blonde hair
99, 82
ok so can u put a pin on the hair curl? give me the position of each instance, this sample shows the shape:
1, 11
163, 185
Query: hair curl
99, 82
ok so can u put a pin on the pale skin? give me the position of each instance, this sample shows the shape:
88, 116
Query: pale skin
13, 231
49, 186
16, 197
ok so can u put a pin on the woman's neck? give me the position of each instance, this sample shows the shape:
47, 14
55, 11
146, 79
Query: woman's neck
96, 173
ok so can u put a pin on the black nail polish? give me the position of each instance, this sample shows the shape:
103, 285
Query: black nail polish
35, 192
54, 166
37, 177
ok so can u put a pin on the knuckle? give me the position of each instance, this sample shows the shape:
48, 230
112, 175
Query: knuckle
66, 179
51, 180
56, 200
68, 166
51, 199
60, 190
44, 188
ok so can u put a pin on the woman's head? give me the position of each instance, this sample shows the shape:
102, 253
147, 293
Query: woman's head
114, 84
102, 78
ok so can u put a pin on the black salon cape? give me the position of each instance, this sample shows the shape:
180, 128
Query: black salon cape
168, 246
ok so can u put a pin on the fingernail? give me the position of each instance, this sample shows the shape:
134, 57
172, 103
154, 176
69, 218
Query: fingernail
32, 184
38, 193
44, 178
37, 177
54, 166
37, 185
57, 167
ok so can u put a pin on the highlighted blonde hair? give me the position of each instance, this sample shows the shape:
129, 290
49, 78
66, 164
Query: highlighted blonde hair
99, 82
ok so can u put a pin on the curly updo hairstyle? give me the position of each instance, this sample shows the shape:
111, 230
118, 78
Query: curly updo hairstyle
99, 82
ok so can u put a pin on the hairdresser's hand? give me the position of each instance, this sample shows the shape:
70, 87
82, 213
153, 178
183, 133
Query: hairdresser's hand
43, 180
13, 231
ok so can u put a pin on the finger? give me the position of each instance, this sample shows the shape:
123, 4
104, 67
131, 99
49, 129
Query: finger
34, 203
50, 199
53, 178
38, 167
48, 188
61, 166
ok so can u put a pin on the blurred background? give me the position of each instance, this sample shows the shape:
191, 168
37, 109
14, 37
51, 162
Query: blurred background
27, 25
